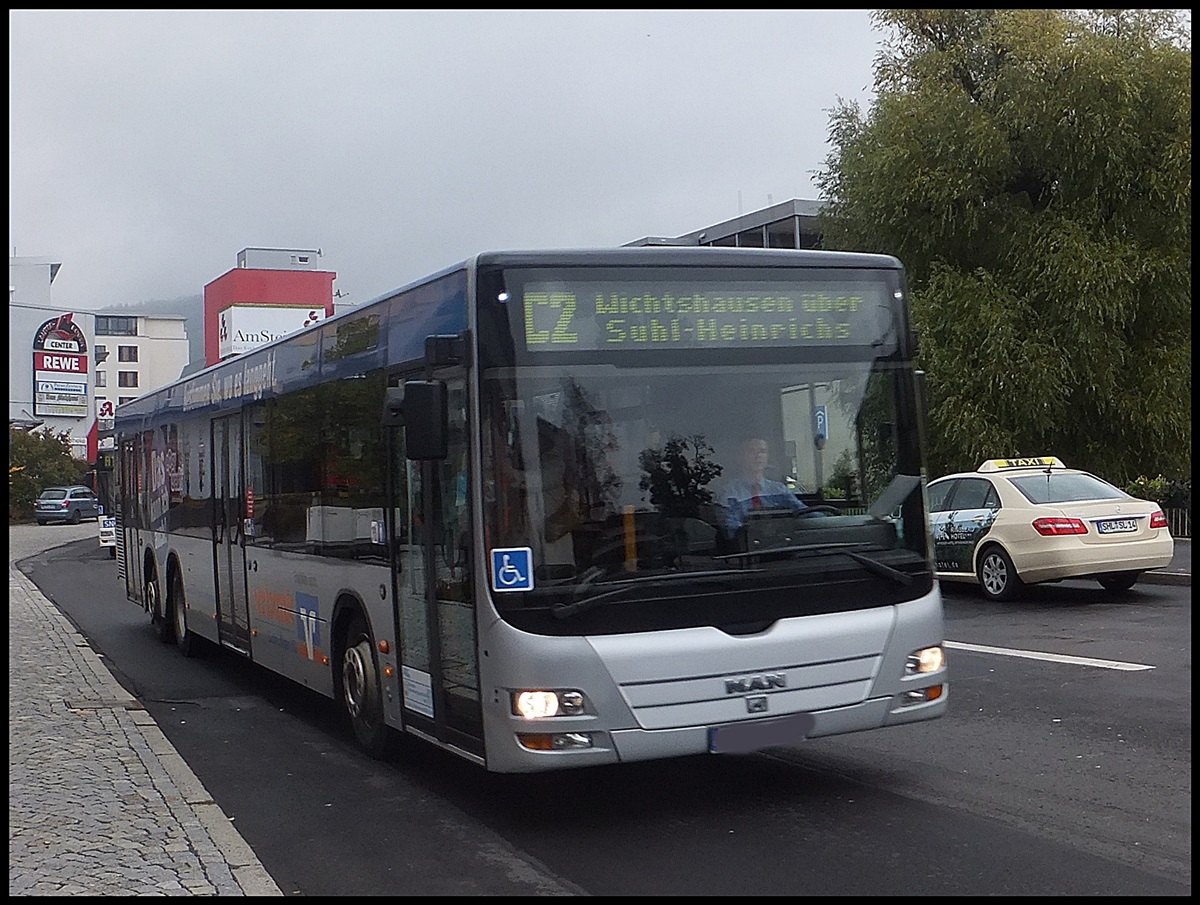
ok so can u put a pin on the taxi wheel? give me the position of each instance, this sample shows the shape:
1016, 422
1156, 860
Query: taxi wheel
998, 577
1118, 581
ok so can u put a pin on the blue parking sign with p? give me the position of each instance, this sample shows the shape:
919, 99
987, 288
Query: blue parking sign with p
512, 569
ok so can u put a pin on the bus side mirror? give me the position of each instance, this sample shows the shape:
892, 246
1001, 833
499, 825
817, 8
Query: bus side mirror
421, 407
393, 407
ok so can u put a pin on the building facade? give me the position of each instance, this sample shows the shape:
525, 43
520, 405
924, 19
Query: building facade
135, 354
69, 368
50, 376
789, 224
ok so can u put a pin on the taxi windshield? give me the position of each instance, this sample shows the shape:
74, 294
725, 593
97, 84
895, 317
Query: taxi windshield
1056, 487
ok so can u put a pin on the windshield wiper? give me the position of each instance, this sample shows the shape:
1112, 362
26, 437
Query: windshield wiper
791, 548
819, 550
880, 568
617, 588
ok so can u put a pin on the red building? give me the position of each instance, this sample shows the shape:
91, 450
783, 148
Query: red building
272, 292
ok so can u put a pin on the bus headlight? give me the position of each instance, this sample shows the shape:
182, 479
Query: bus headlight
539, 704
925, 660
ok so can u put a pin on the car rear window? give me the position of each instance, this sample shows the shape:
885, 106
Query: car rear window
1065, 488
53, 495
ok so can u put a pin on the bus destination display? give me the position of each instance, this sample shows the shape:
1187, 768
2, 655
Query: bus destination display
562, 317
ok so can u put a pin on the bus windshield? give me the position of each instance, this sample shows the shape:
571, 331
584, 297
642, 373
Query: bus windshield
690, 485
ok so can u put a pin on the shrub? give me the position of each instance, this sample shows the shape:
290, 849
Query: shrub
36, 460
1175, 494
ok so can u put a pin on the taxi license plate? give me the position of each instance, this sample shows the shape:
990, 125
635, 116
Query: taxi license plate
742, 738
1116, 526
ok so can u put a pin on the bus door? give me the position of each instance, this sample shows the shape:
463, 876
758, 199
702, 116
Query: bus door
229, 554
129, 541
432, 580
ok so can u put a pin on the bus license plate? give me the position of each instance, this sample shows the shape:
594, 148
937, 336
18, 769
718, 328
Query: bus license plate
1117, 526
742, 738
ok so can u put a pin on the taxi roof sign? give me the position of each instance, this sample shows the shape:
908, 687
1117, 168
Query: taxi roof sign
1008, 464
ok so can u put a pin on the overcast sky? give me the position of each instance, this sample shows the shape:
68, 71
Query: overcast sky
147, 148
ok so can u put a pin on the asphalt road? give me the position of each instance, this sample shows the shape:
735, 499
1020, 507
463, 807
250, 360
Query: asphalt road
1048, 777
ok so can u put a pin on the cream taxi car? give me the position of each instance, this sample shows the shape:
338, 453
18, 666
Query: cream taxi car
1016, 522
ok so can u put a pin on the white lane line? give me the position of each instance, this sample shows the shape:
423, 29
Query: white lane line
1055, 658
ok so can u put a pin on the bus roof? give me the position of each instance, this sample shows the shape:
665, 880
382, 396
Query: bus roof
668, 255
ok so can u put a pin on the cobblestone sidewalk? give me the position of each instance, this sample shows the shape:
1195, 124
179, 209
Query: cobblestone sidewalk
99, 802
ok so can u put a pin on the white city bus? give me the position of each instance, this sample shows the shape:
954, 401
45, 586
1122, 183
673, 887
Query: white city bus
491, 509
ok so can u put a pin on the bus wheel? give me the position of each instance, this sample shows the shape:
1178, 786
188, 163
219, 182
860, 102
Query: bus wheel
184, 640
158, 618
997, 576
361, 695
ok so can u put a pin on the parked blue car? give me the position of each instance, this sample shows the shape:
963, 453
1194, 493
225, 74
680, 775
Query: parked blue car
66, 504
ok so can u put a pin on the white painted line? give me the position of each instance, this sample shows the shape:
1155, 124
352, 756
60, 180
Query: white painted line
1054, 658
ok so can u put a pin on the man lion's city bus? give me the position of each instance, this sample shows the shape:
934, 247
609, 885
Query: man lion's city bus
491, 509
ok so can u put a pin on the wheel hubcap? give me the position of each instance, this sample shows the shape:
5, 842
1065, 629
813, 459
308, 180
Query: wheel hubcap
354, 681
995, 576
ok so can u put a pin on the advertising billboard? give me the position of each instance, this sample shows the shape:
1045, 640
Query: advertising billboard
60, 369
245, 327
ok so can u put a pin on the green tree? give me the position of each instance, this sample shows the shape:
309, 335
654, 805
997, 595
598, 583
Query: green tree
1032, 170
37, 460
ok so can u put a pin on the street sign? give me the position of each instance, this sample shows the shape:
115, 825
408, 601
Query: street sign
820, 424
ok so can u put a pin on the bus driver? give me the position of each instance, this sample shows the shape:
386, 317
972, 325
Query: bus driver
749, 489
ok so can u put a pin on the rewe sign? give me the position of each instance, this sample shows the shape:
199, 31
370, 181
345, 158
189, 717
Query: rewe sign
59, 348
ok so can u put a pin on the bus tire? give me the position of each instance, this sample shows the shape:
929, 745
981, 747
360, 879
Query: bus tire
360, 692
998, 577
158, 618
176, 603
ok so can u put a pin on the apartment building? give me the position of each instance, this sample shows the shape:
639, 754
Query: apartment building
135, 354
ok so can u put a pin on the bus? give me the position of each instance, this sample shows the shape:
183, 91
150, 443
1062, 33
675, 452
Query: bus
491, 509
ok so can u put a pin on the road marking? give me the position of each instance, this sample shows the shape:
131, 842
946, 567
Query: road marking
1055, 658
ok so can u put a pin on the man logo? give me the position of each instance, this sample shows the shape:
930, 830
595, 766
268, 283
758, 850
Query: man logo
766, 681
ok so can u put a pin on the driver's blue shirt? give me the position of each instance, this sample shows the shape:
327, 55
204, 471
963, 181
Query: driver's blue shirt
735, 500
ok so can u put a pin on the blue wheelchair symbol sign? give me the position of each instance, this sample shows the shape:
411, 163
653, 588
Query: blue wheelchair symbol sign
512, 569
